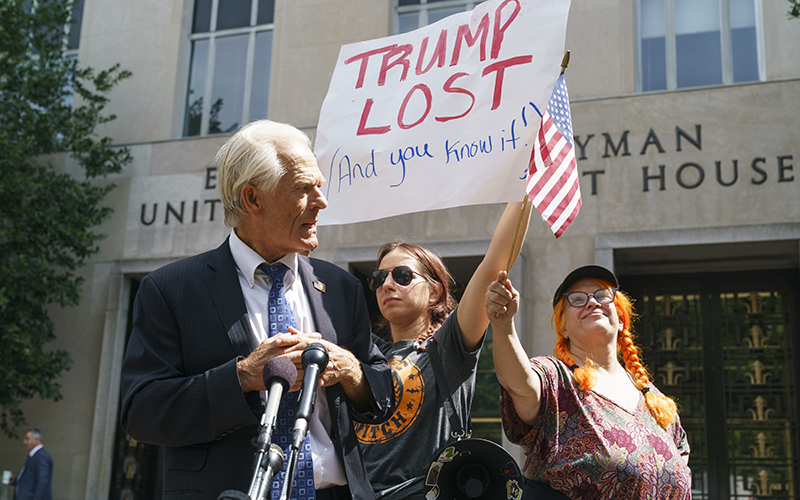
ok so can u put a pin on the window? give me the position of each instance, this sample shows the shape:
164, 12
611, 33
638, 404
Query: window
231, 49
71, 37
696, 43
74, 29
413, 14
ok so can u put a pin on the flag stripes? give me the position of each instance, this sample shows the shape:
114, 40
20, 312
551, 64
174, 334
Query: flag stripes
553, 185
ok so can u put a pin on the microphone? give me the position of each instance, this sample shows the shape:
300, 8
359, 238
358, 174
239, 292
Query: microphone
270, 465
279, 374
314, 360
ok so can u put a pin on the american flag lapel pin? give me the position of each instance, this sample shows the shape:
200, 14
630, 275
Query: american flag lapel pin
319, 286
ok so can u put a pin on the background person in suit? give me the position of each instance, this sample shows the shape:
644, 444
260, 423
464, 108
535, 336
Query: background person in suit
34, 478
193, 368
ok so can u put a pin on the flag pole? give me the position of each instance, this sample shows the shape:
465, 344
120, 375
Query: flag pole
526, 200
510, 263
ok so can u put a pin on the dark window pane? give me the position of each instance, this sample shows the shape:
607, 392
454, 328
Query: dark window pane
259, 97
407, 2
227, 91
202, 16
197, 87
408, 22
699, 59
266, 11
233, 14
654, 64
75, 27
439, 14
434, 1
743, 41
745, 57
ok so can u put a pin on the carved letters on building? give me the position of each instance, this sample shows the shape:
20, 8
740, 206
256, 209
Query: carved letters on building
688, 174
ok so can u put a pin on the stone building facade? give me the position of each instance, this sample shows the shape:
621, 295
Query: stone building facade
687, 133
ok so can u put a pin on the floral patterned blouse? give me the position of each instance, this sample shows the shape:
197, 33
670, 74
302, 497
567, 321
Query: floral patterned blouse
588, 447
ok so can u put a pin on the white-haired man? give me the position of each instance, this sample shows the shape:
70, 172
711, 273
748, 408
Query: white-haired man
193, 368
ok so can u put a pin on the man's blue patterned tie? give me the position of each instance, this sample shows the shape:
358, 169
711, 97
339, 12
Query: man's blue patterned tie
281, 317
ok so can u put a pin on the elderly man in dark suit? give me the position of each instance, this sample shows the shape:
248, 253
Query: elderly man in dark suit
192, 374
34, 478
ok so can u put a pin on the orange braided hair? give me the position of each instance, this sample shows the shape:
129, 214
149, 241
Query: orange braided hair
663, 408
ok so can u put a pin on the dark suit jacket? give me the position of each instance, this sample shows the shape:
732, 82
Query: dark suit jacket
34, 482
180, 388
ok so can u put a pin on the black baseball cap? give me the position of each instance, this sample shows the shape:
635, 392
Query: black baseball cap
590, 271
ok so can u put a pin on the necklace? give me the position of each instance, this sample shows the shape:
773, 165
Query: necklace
422, 337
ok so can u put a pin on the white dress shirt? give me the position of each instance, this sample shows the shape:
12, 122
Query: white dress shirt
328, 470
30, 455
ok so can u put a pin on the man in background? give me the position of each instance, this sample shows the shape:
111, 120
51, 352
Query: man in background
34, 478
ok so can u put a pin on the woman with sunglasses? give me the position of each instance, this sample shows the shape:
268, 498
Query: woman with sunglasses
414, 291
590, 427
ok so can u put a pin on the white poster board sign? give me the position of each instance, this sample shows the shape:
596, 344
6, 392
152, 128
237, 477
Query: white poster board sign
440, 117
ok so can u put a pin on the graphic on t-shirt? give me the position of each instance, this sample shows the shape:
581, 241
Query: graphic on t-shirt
409, 391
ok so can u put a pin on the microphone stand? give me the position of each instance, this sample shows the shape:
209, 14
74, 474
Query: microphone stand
314, 360
298, 436
291, 470
264, 439
278, 375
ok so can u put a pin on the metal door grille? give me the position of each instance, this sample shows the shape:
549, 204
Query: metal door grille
722, 345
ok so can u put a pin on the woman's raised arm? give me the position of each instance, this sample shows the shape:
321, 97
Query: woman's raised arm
511, 363
471, 316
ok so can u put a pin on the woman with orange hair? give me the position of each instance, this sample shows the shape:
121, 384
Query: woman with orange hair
591, 428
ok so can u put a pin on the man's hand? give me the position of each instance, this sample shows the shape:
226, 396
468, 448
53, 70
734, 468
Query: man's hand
289, 345
344, 368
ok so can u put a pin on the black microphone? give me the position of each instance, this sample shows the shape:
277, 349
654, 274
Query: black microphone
314, 359
273, 462
279, 375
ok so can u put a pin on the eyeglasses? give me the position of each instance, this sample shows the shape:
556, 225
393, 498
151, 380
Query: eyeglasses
402, 275
602, 296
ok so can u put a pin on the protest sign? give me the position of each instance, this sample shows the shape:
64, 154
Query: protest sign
440, 117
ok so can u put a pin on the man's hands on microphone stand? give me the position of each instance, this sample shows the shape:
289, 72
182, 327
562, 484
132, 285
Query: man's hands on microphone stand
343, 366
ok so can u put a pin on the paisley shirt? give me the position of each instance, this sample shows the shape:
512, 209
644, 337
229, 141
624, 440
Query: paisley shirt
588, 447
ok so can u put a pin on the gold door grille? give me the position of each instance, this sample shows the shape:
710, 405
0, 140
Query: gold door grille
722, 345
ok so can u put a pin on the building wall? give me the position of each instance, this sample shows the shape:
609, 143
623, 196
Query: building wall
754, 126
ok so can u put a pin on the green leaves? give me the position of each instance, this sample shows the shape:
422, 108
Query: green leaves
48, 219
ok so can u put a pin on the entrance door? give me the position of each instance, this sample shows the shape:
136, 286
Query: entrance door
723, 345
136, 468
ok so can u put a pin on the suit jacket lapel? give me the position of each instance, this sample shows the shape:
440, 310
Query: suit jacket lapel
322, 319
222, 281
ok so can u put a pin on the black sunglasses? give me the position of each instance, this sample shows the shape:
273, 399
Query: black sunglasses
402, 275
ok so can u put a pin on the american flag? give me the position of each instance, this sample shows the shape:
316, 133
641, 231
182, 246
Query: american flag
553, 185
